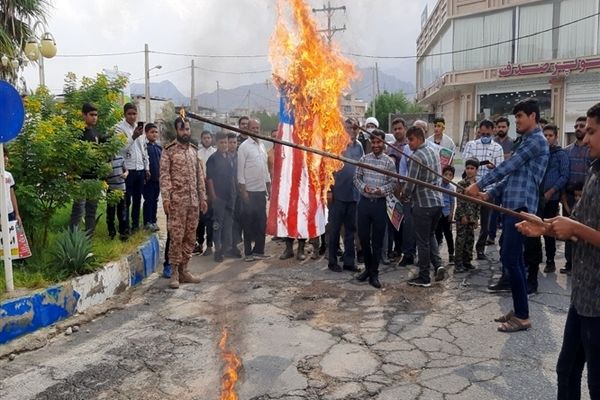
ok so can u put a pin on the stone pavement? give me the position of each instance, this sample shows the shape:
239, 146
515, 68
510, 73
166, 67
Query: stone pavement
303, 332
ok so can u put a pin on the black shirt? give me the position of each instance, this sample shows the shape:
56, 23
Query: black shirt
220, 170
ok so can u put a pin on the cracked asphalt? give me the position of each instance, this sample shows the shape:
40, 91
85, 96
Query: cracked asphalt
303, 332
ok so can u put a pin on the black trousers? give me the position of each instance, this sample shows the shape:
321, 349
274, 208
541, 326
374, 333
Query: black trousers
550, 211
342, 213
205, 228
580, 346
150, 208
372, 222
116, 210
484, 225
444, 229
134, 185
254, 223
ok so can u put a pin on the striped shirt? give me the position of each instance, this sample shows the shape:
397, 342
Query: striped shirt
518, 179
365, 177
421, 196
491, 152
115, 180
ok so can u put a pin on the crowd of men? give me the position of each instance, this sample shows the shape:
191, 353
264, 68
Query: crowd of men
215, 194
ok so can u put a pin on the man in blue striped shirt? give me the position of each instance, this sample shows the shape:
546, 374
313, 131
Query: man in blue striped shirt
518, 181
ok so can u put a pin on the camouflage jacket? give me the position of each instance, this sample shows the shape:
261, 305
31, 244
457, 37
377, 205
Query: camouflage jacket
182, 175
466, 208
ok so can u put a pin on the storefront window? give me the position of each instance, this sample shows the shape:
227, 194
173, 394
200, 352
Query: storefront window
493, 106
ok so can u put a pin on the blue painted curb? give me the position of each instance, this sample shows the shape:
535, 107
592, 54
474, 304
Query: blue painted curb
29, 313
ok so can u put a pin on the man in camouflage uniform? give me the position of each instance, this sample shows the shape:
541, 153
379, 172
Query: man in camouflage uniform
467, 217
182, 188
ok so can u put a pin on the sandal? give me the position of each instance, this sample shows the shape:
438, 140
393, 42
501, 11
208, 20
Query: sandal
505, 318
514, 325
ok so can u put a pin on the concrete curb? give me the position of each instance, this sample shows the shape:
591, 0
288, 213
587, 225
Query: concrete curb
29, 313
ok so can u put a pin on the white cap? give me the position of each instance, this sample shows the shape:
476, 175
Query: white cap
372, 120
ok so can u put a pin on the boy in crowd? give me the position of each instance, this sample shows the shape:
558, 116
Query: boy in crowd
116, 182
152, 185
444, 227
467, 217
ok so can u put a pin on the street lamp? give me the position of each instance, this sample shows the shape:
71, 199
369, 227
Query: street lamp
37, 50
147, 91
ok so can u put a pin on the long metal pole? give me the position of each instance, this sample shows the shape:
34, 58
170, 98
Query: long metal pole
365, 166
193, 90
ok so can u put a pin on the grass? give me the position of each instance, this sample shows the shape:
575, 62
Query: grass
39, 271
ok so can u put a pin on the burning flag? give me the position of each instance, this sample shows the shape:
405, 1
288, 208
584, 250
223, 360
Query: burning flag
310, 76
230, 374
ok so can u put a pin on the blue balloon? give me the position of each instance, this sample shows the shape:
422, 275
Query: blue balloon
12, 112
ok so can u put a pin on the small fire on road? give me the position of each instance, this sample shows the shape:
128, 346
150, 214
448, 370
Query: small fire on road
230, 373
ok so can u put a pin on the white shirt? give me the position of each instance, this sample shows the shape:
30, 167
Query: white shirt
252, 166
204, 153
491, 152
8, 183
135, 152
446, 141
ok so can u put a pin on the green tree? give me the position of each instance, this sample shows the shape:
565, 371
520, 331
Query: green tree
268, 121
391, 103
48, 158
15, 29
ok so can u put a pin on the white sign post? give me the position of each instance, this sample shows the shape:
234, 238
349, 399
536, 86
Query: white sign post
7, 256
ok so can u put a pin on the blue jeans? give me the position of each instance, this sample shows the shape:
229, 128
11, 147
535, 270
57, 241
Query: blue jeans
511, 256
151, 193
580, 346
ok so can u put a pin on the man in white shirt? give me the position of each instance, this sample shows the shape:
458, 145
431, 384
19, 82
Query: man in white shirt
439, 137
204, 232
137, 164
254, 183
490, 155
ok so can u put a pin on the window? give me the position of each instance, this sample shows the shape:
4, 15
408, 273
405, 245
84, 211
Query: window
577, 39
431, 67
534, 19
475, 32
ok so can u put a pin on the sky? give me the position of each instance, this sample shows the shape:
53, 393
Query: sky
213, 27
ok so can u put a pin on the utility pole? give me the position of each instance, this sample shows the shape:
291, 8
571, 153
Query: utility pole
193, 107
377, 78
330, 31
373, 93
248, 96
147, 82
218, 99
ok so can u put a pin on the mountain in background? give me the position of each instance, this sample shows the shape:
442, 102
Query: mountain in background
263, 96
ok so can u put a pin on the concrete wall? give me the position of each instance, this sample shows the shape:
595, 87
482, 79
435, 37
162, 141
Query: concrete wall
28, 313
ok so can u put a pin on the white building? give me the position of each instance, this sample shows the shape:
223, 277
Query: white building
477, 58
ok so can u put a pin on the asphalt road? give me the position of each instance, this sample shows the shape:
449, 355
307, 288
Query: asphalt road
303, 332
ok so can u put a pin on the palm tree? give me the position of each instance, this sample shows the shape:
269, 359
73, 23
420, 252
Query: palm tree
16, 22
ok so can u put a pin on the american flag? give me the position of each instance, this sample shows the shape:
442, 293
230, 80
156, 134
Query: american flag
296, 209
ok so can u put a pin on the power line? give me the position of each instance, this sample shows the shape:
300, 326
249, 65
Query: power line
233, 72
331, 30
345, 53
485, 46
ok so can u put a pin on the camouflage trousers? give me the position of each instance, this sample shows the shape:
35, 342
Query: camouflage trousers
181, 224
465, 240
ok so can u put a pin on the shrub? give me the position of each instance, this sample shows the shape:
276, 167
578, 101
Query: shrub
73, 252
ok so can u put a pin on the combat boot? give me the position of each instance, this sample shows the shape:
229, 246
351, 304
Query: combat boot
315, 248
289, 249
174, 282
186, 277
300, 255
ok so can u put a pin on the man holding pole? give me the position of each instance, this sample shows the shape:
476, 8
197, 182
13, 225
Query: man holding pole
518, 181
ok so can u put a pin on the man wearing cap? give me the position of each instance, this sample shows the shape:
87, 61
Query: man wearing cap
371, 124
372, 215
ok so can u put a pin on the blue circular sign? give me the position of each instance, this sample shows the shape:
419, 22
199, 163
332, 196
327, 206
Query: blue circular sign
12, 112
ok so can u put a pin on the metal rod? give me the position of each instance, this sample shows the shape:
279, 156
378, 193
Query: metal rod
365, 166
411, 158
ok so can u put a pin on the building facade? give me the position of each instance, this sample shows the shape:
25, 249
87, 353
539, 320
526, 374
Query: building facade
477, 58
353, 107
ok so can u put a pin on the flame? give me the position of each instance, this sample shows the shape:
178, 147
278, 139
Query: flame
313, 75
230, 374
182, 113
